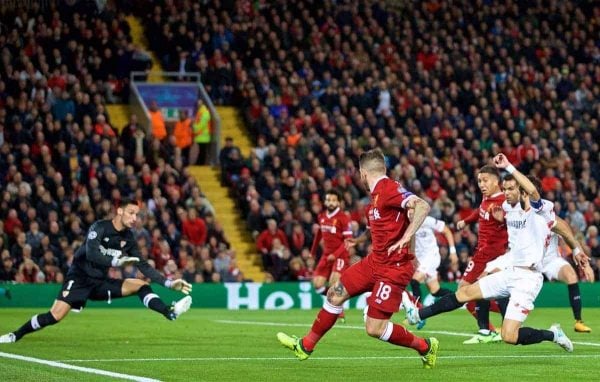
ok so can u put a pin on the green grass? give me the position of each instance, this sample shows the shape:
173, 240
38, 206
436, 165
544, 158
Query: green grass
203, 349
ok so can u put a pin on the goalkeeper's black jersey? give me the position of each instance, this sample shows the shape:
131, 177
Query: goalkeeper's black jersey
104, 243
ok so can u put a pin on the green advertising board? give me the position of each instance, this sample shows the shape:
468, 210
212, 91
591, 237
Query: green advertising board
256, 296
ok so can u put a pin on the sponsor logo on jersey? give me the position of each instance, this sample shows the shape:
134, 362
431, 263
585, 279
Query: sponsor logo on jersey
517, 224
110, 252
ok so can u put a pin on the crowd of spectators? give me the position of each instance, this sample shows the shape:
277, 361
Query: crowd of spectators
63, 165
440, 86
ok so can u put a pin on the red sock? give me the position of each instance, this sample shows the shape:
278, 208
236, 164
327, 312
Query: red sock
494, 306
325, 320
398, 335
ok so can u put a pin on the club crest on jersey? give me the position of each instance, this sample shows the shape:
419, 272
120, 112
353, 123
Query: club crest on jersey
65, 293
123, 243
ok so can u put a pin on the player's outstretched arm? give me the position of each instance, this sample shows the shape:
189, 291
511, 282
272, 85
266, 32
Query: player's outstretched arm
500, 161
562, 228
421, 210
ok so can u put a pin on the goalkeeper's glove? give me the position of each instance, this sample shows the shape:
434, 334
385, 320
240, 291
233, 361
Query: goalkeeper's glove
124, 260
179, 284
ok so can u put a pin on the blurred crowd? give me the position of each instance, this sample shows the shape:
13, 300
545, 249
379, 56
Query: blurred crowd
440, 86
63, 165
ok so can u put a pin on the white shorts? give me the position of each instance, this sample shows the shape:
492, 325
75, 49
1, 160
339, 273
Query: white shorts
552, 267
428, 265
499, 263
521, 285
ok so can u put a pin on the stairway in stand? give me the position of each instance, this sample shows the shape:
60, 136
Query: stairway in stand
234, 226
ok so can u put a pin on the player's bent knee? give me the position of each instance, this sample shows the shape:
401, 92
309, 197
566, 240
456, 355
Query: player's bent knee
374, 328
568, 275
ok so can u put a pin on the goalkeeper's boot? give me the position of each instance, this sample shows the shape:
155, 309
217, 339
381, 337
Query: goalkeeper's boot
580, 327
430, 356
561, 339
180, 307
484, 338
8, 338
294, 344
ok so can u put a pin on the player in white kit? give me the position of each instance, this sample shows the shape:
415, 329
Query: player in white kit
554, 266
427, 252
528, 234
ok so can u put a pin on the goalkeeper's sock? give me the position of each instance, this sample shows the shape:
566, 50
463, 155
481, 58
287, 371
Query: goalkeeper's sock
575, 300
503, 304
325, 320
415, 286
529, 336
37, 322
398, 335
152, 301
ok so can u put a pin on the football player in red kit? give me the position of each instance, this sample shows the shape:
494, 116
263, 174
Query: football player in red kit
334, 227
492, 242
385, 272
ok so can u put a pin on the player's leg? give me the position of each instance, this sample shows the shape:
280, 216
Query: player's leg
355, 280
415, 284
567, 275
333, 279
435, 289
378, 325
322, 274
150, 299
73, 294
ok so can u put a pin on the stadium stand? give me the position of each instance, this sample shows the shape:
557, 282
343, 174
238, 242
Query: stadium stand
63, 163
441, 86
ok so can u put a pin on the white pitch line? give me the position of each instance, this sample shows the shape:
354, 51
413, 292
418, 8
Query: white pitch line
77, 368
457, 334
229, 359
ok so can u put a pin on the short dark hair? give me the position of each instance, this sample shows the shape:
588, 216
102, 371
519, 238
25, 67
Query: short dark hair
511, 177
334, 192
124, 202
489, 169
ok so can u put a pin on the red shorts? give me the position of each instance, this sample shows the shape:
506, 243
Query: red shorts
385, 282
324, 268
477, 265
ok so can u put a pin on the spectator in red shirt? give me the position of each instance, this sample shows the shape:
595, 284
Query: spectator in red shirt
194, 228
550, 182
264, 242
12, 223
527, 147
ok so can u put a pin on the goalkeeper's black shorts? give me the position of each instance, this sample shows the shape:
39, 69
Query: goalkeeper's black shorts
76, 291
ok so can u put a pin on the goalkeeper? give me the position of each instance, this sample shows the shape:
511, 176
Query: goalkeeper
109, 243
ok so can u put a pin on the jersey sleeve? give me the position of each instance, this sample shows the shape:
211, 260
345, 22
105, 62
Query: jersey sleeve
398, 196
439, 226
93, 247
142, 265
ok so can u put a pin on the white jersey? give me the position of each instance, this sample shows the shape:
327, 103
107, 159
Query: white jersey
528, 236
425, 241
545, 208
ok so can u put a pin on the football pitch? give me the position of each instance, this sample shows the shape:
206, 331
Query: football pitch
220, 345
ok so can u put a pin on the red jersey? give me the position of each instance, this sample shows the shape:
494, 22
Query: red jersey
388, 220
493, 237
334, 228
